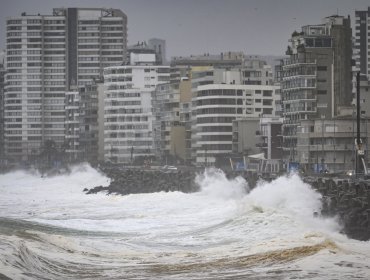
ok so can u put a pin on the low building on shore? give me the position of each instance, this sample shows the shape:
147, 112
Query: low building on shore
328, 144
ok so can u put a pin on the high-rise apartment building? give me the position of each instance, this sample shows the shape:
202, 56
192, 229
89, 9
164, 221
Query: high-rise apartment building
171, 128
361, 55
46, 54
2, 75
205, 95
316, 78
361, 50
222, 95
216, 106
128, 112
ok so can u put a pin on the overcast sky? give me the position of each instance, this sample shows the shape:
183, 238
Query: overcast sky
204, 26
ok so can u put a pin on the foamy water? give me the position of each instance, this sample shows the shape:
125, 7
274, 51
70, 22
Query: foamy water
49, 229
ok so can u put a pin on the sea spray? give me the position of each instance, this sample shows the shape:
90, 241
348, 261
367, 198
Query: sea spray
213, 182
291, 195
287, 193
222, 231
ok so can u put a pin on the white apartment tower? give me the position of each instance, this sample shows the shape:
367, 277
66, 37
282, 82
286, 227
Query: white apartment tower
46, 54
128, 112
216, 106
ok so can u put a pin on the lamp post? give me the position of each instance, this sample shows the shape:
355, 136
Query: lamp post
335, 140
322, 142
359, 148
344, 156
205, 154
317, 156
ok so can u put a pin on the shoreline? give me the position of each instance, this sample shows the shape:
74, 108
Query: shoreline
346, 198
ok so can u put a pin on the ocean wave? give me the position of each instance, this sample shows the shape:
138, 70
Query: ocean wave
49, 229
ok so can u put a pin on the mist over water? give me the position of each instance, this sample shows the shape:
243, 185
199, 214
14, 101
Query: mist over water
50, 229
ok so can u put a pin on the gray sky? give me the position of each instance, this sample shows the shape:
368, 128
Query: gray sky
205, 26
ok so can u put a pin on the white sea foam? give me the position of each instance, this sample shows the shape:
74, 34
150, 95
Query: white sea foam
223, 220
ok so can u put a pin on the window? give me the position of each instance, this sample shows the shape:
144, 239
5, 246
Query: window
267, 111
321, 68
267, 93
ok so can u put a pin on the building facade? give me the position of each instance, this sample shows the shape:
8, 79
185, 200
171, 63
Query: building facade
316, 78
362, 44
159, 46
45, 55
216, 106
72, 148
2, 95
171, 127
329, 144
270, 132
245, 136
128, 110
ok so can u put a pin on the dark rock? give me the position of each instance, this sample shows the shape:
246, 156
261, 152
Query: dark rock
350, 201
131, 181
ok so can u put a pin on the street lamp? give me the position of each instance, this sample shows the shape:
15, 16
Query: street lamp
322, 142
359, 145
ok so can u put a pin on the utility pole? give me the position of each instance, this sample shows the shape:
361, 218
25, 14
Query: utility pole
205, 154
322, 143
360, 151
334, 159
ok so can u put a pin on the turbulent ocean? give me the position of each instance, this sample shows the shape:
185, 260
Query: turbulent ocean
50, 229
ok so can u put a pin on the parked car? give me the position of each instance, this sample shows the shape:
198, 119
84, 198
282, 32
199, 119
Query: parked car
168, 169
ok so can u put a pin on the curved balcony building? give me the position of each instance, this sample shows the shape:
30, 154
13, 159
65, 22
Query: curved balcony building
217, 106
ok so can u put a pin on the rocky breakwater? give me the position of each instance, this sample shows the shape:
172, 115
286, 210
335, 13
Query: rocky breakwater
132, 181
349, 200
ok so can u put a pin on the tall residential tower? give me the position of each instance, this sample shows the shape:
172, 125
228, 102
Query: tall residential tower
316, 78
46, 54
362, 41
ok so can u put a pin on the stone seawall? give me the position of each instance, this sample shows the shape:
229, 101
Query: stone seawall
348, 199
130, 181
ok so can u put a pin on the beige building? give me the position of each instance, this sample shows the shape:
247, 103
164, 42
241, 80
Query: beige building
245, 136
172, 121
329, 144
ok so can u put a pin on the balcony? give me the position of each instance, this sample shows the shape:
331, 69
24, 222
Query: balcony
261, 145
289, 62
300, 111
